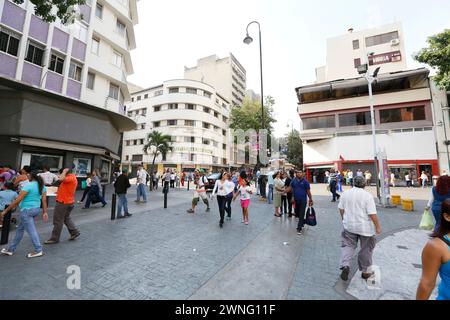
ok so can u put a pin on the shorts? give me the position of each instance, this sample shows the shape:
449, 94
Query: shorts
245, 203
201, 195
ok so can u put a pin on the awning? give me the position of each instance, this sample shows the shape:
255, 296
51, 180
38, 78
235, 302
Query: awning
412, 165
317, 88
402, 74
326, 166
348, 84
65, 146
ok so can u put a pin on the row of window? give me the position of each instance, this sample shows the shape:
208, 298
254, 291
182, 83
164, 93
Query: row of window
120, 26
404, 114
377, 40
116, 57
174, 90
188, 106
191, 139
185, 157
188, 123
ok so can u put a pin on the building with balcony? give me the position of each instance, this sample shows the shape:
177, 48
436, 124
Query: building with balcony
227, 75
196, 117
83, 66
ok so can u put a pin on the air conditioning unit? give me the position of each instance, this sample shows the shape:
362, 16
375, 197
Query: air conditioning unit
395, 42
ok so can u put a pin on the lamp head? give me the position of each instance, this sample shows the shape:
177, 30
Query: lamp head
248, 39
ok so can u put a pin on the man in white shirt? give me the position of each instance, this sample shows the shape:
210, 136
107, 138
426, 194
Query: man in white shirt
200, 191
360, 222
350, 177
141, 183
48, 177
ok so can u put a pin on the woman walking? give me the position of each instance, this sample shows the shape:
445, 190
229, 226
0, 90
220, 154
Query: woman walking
439, 194
436, 259
284, 202
88, 187
29, 202
95, 191
278, 187
424, 178
244, 190
223, 188
333, 185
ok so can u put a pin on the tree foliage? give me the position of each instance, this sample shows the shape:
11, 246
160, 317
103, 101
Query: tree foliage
295, 149
48, 10
437, 55
162, 144
248, 116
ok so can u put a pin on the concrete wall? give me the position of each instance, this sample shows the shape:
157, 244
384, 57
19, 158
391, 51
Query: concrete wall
441, 115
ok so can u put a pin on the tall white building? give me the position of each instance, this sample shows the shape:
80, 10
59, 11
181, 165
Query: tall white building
65, 85
193, 113
227, 75
346, 52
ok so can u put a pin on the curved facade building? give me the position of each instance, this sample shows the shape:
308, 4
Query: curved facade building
192, 113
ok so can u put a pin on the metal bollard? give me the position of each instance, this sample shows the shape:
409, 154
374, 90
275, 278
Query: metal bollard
6, 228
113, 206
188, 185
166, 191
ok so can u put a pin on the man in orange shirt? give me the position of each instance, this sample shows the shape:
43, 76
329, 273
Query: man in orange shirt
65, 201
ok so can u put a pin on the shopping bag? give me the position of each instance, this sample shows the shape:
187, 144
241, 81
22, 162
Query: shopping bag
83, 184
311, 219
427, 221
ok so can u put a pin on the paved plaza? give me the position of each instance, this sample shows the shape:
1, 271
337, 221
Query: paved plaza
170, 254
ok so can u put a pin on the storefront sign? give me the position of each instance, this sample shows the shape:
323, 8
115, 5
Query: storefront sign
388, 57
192, 149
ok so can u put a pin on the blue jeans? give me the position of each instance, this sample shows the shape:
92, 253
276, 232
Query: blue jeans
141, 192
270, 195
123, 202
94, 190
27, 224
437, 217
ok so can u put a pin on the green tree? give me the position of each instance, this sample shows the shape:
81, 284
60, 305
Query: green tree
157, 144
45, 9
437, 55
295, 149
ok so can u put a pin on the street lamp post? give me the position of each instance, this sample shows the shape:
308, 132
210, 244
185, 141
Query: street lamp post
248, 40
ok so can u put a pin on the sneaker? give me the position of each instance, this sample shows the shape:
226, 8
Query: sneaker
299, 232
50, 242
104, 205
35, 254
121, 217
74, 236
6, 252
137, 201
128, 215
345, 272
221, 224
190, 211
79, 201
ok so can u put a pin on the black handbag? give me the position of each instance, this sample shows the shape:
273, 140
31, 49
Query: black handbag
311, 219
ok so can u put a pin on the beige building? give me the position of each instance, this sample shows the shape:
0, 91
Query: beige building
346, 52
227, 75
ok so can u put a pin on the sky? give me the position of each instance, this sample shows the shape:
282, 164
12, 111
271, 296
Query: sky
172, 34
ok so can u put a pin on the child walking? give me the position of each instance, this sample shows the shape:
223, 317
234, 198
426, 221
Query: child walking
244, 190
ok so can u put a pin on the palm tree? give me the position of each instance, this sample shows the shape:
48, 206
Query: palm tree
157, 144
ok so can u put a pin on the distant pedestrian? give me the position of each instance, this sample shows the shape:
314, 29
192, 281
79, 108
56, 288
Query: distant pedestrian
245, 191
200, 191
223, 188
359, 173
436, 259
155, 178
94, 192
360, 223
29, 201
284, 201
141, 180
121, 186
173, 177
65, 202
408, 180
48, 177
87, 187
327, 176
368, 177
424, 178
333, 185
350, 177
393, 179
301, 190
287, 183
7, 196
278, 187
183, 177
270, 182
438, 195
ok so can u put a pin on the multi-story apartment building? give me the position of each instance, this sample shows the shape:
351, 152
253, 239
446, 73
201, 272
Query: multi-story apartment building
335, 111
193, 113
65, 85
346, 52
227, 75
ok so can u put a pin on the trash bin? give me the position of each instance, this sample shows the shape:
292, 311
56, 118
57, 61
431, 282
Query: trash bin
396, 200
435, 179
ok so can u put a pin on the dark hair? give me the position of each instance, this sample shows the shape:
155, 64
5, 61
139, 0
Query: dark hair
9, 185
34, 177
27, 169
442, 185
45, 168
291, 173
243, 175
444, 227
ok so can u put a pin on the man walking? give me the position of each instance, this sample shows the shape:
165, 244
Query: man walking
65, 201
360, 222
121, 186
200, 192
141, 182
301, 191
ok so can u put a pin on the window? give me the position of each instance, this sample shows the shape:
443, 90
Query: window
56, 64
174, 90
206, 125
95, 46
225, 119
224, 132
99, 11
116, 59
171, 122
173, 106
173, 139
207, 94
206, 141
217, 101
135, 142
157, 108
138, 98
75, 71
9, 43
189, 139
144, 112
130, 113
114, 91
146, 96
191, 157
141, 126
381, 38
34, 54
190, 107
158, 93
189, 123
402, 114
120, 28
215, 144
191, 90
127, 158
206, 109
357, 62
224, 146
156, 124
354, 119
355, 44
91, 81
141, 141
319, 122
137, 157
216, 114
79, 31
128, 142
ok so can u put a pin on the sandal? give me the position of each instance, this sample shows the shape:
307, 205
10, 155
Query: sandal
366, 276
